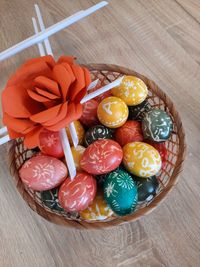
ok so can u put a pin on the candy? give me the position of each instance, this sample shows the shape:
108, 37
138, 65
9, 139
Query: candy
77, 153
97, 132
77, 194
79, 130
120, 192
50, 144
146, 187
42, 173
141, 159
157, 125
50, 199
112, 112
129, 132
138, 112
101, 157
132, 90
97, 210
89, 115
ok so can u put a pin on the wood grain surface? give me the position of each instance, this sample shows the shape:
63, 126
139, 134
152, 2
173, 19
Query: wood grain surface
159, 39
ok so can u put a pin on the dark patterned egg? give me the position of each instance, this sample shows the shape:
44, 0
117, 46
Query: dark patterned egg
50, 199
157, 125
97, 132
101, 157
120, 192
137, 112
146, 187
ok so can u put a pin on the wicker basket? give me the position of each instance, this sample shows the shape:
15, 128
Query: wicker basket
167, 178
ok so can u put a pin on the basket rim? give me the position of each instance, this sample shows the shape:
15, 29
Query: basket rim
55, 218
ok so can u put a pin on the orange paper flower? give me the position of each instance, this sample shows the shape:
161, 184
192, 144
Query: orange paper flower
43, 94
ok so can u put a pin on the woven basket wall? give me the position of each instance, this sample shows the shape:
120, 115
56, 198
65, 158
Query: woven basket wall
167, 177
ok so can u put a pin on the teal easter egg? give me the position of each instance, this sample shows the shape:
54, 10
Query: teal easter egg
157, 125
146, 187
50, 199
97, 132
120, 192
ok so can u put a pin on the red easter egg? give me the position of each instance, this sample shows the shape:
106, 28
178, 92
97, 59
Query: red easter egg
129, 132
101, 157
77, 194
89, 115
50, 144
42, 172
100, 97
161, 149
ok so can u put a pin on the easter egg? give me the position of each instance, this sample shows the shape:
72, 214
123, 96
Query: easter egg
79, 130
100, 179
50, 199
120, 192
112, 112
157, 125
77, 153
77, 194
146, 187
89, 115
42, 172
132, 90
131, 131
101, 157
50, 144
141, 159
98, 210
138, 112
97, 132
162, 151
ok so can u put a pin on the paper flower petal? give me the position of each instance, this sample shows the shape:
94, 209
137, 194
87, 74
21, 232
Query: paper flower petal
61, 115
46, 115
46, 83
31, 139
46, 94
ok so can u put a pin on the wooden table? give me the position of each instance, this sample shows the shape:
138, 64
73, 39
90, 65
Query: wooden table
159, 39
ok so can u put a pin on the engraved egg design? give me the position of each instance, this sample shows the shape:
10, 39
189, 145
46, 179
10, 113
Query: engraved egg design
120, 192
138, 112
97, 132
112, 112
42, 172
157, 125
50, 199
141, 159
77, 194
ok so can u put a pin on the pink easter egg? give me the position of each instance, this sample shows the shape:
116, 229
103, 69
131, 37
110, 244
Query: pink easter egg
42, 172
77, 194
50, 144
101, 157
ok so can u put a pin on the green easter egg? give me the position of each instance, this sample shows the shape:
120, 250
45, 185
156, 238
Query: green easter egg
97, 132
146, 187
50, 199
120, 192
157, 125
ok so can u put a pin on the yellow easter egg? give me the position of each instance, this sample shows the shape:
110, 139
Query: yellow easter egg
97, 210
112, 112
132, 90
141, 159
79, 130
77, 153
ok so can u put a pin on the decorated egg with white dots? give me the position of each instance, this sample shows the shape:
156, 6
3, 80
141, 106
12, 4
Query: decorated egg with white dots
120, 192
50, 199
141, 159
98, 210
112, 112
77, 194
132, 90
157, 125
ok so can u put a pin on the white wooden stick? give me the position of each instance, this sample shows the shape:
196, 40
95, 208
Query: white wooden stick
39, 37
4, 139
3, 130
40, 45
93, 84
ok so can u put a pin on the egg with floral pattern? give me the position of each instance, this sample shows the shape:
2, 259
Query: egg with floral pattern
157, 125
98, 210
97, 132
141, 159
101, 157
42, 172
112, 112
120, 192
77, 194
132, 90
